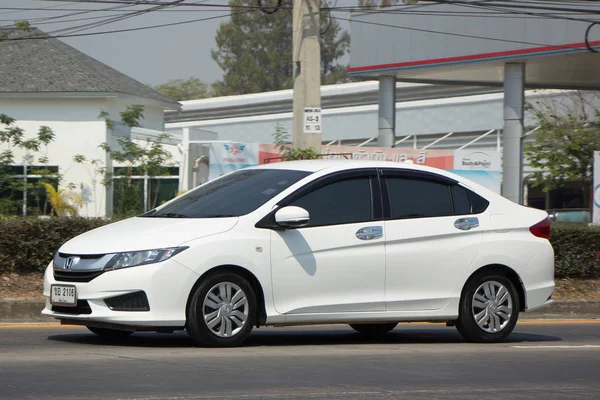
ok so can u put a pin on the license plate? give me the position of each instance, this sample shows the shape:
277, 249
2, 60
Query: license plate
63, 295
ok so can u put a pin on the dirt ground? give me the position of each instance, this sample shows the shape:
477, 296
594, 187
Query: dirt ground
29, 287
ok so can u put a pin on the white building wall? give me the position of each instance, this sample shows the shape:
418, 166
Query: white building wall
78, 130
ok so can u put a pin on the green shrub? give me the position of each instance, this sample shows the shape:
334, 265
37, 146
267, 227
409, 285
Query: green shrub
576, 250
28, 244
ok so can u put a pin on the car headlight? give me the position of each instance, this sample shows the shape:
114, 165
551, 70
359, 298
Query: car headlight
145, 257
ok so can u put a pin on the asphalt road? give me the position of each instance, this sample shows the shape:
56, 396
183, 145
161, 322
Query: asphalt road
549, 360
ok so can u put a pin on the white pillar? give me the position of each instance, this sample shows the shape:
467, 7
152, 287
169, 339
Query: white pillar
387, 111
512, 159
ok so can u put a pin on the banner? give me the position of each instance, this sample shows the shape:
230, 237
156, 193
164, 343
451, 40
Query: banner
482, 167
226, 157
596, 209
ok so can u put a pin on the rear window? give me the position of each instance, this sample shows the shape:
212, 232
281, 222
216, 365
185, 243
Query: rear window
236, 194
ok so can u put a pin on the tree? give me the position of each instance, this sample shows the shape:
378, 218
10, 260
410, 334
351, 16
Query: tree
150, 160
282, 140
179, 89
14, 138
63, 203
254, 50
563, 147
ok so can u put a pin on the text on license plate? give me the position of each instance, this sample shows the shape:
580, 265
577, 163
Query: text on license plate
63, 295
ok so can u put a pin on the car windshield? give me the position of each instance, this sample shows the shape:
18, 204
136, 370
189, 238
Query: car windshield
236, 194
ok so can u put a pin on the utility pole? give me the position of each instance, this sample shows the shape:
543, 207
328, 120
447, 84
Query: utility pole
307, 75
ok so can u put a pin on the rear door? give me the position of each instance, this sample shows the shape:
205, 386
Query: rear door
432, 236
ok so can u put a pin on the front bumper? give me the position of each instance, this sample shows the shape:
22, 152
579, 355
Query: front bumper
167, 285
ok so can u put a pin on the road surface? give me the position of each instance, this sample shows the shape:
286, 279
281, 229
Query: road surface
542, 360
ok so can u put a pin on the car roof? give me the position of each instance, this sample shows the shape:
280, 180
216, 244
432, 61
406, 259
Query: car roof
340, 165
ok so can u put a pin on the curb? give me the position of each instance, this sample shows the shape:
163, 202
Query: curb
30, 311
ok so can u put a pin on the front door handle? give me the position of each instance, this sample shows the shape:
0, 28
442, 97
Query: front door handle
464, 224
370, 233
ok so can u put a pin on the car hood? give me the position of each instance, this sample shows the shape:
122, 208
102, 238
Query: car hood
145, 233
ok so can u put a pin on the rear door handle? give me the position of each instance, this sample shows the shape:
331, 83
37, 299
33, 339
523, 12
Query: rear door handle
464, 224
370, 233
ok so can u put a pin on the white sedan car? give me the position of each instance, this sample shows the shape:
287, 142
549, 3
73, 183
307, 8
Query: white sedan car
369, 244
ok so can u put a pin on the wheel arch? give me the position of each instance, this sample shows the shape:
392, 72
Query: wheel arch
261, 315
506, 271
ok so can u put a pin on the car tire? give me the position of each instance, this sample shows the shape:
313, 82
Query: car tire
374, 330
109, 333
489, 309
222, 311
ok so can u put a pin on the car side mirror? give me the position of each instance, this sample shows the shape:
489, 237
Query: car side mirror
292, 217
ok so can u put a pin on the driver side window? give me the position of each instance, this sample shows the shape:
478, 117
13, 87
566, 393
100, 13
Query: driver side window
342, 202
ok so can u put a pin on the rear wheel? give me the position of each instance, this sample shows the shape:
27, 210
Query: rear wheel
109, 333
489, 309
374, 330
222, 311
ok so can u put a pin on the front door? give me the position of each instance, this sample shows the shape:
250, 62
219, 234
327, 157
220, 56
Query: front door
337, 262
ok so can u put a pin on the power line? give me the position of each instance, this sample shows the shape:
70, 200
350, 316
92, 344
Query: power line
127, 30
558, 47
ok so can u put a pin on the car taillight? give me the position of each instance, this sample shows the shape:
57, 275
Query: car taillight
541, 229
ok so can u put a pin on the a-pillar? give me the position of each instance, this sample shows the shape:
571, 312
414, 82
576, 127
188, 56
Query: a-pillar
512, 158
387, 111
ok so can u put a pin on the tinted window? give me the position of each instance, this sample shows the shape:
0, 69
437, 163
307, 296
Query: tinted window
411, 198
236, 194
460, 199
478, 203
342, 202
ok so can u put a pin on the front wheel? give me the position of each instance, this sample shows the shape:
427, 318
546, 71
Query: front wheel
109, 333
489, 309
222, 311
373, 330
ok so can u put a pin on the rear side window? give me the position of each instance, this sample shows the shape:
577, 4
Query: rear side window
415, 198
478, 203
460, 198
341, 202
412, 198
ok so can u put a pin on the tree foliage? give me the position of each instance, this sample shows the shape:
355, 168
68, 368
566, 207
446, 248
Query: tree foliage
64, 203
13, 137
179, 89
281, 138
563, 148
151, 159
254, 50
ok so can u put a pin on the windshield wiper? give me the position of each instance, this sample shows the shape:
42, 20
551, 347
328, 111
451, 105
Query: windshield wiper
168, 215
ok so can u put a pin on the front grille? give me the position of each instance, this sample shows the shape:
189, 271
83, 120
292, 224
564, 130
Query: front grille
79, 276
137, 301
83, 307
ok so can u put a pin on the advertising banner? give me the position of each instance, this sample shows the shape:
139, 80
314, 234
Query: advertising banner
596, 209
226, 157
482, 167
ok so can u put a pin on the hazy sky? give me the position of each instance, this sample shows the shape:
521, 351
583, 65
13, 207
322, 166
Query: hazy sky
151, 56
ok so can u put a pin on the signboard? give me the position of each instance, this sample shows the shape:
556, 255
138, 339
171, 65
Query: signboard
226, 157
596, 208
482, 167
312, 120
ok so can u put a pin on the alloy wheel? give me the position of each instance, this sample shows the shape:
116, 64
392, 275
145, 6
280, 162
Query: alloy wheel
492, 306
225, 309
